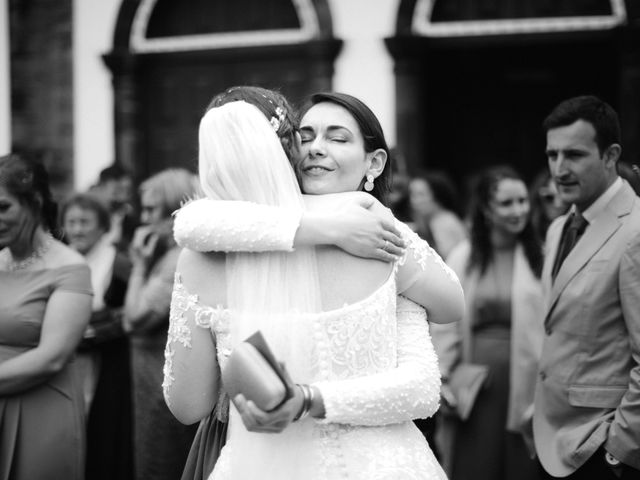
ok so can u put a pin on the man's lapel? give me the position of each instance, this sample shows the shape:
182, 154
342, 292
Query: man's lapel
594, 238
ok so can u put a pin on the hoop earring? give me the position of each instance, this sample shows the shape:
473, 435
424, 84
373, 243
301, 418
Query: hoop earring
368, 185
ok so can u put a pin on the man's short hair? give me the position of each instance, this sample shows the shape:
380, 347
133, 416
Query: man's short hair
590, 109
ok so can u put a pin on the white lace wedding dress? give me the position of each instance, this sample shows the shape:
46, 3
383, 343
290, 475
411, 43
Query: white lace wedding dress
374, 364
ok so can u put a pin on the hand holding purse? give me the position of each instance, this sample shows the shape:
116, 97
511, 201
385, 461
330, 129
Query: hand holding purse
465, 383
253, 371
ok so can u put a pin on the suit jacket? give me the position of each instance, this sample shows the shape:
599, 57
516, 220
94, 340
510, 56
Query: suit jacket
588, 389
453, 341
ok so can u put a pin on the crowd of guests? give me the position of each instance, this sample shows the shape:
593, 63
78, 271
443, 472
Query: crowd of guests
87, 292
94, 287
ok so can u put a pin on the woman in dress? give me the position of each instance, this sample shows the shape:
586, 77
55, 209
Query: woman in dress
103, 354
45, 305
363, 366
161, 443
435, 212
499, 268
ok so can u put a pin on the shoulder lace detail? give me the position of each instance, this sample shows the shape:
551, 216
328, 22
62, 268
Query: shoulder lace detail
203, 316
207, 225
422, 251
407, 388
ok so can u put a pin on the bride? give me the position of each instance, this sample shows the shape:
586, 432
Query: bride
330, 316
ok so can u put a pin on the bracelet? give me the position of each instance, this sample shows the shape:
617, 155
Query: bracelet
307, 400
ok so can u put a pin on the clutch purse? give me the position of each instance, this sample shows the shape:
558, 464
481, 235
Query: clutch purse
253, 371
465, 383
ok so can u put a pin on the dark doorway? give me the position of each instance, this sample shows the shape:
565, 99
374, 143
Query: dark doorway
170, 58
484, 105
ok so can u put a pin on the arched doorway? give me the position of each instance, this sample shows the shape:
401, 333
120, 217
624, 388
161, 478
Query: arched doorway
169, 58
476, 78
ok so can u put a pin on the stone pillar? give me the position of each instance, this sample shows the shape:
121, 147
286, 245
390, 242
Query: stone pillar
41, 86
411, 91
127, 111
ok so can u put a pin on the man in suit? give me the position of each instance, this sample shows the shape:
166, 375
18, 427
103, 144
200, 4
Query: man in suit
587, 404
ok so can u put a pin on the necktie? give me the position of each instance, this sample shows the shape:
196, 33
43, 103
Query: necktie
573, 230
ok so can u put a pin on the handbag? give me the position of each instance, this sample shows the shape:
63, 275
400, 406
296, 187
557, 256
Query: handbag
465, 383
253, 371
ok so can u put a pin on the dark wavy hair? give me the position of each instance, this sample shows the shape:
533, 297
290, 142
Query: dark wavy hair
590, 109
371, 132
443, 189
26, 178
482, 191
267, 101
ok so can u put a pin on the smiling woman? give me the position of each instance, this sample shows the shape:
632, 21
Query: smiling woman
502, 329
335, 130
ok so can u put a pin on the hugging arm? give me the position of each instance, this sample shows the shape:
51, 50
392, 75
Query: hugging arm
407, 391
424, 278
353, 221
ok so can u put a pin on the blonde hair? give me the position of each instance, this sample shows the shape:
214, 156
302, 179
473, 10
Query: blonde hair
174, 186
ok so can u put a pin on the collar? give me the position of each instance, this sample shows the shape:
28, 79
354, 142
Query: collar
597, 207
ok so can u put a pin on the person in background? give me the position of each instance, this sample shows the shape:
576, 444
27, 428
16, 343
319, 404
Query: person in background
399, 192
546, 204
45, 305
499, 268
161, 443
116, 187
587, 403
631, 173
103, 354
435, 211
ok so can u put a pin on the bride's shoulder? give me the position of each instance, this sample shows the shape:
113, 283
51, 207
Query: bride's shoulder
201, 273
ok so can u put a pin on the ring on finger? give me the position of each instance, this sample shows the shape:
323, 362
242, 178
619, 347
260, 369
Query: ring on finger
386, 244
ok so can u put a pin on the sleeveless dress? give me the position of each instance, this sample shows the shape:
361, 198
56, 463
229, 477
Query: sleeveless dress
41, 429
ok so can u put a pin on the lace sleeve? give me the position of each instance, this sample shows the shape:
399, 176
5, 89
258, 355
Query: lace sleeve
190, 368
419, 257
422, 276
207, 225
409, 391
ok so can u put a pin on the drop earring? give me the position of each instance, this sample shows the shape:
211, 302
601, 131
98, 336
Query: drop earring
368, 185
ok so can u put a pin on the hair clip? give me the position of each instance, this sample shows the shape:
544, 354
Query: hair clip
276, 122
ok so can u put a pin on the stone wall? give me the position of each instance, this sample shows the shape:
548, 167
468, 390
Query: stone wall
41, 85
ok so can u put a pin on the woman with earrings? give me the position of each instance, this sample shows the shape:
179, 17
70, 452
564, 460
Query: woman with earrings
501, 331
364, 372
45, 305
